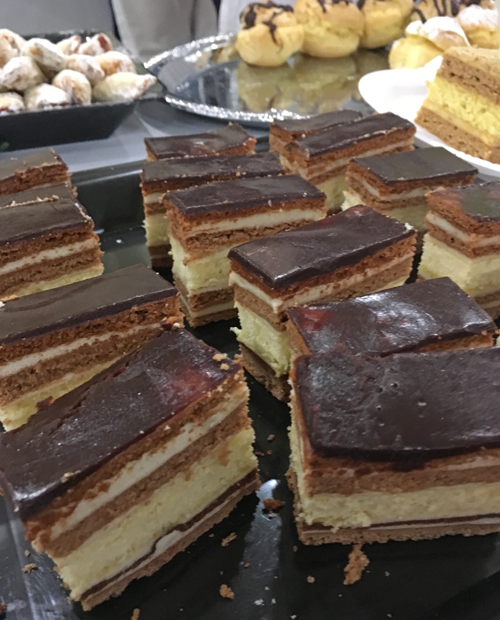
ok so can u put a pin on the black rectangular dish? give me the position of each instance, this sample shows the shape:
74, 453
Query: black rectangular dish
76, 123
273, 576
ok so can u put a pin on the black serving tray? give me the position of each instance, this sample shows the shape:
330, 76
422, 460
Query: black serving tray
452, 578
75, 123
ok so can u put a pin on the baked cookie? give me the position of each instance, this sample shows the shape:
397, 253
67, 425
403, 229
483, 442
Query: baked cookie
269, 34
385, 21
332, 28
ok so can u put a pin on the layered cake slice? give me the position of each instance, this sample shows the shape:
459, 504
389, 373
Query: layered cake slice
400, 447
462, 107
112, 502
345, 255
35, 170
463, 241
322, 158
159, 177
229, 140
427, 316
37, 194
45, 244
395, 185
284, 131
53, 341
207, 221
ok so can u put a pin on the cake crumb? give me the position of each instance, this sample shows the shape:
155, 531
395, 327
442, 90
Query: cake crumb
226, 592
26, 553
29, 567
2, 304
259, 453
135, 614
295, 548
271, 505
355, 566
259, 601
218, 357
271, 437
229, 539
44, 404
224, 367
66, 477
310, 579
269, 452
246, 564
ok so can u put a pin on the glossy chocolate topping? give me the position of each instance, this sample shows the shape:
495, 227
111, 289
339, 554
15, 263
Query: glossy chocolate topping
430, 164
319, 248
80, 302
343, 136
409, 405
401, 319
36, 194
481, 201
250, 15
48, 157
320, 122
443, 8
40, 219
218, 167
85, 428
243, 194
198, 145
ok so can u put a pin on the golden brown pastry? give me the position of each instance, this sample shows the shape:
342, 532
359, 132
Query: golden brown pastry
45, 96
481, 26
332, 28
269, 34
122, 87
46, 54
21, 73
115, 62
385, 21
412, 52
88, 65
75, 85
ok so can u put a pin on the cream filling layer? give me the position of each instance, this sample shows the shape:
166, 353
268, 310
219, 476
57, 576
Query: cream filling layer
476, 276
39, 257
316, 293
261, 337
201, 275
131, 536
370, 508
150, 462
443, 224
194, 314
157, 228
11, 368
267, 219
333, 190
153, 197
418, 192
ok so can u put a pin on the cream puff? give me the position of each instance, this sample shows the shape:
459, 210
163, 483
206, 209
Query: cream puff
269, 34
385, 21
332, 28
412, 52
425, 9
481, 26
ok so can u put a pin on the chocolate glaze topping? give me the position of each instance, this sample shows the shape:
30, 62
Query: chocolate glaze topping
40, 219
407, 406
47, 157
36, 194
319, 248
248, 16
85, 428
198, 145
400, 319
320, 122
343, 136
446, 7
217, 167
80, 302
480, 201
243, 194
430, 164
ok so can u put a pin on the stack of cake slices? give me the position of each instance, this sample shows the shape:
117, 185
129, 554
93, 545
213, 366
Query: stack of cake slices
112, 502
345, 255
36, 170
322, 157
159, 177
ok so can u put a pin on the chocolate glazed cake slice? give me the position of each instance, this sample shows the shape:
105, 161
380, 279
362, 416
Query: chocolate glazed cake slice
400, 447
45, 243
159, 177
35, 170
229, 140
427, 316
110, 503
53, 341
323, 158
342, 256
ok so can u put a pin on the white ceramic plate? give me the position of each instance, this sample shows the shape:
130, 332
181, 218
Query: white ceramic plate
402, 91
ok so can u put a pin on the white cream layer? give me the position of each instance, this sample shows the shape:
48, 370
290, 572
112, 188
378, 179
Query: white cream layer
28, 361
153, 197
201, 275
448, 228
418, 192
157, 228
39, 257
149, 463
315, 293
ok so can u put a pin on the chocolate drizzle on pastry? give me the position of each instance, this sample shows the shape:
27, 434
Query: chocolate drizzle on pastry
249, 16
446, 8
